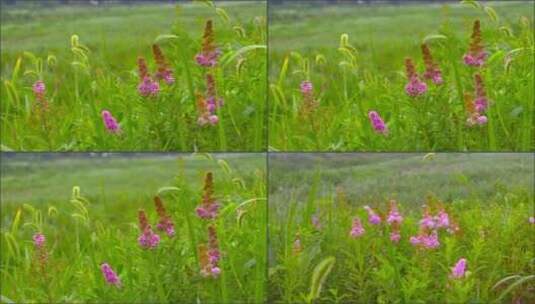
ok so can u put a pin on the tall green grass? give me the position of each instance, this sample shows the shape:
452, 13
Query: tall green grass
354, 56
495, 234
87, 60
84, 231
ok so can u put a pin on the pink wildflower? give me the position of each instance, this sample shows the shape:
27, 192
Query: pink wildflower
373, 218
476, 54
532, 220
109, 275
432, 71
393, 214
395, 236
110, 122
39, 240
165, 223
356, 230
38, 87
415, 87
377, 122
306, 87
209, 53
208, 209
148, 239
442, 219
148, 87
458, 271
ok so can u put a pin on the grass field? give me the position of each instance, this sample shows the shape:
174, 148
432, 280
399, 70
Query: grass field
354, 57
314, 200
87, 209
87, 59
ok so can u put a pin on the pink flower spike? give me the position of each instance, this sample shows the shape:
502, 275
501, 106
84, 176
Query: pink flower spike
458, 271
149, 239
442, 219
110, 122
377, 122
109, 275
39, 240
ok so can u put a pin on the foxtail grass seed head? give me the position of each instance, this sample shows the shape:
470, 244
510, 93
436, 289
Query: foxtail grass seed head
458, 271
415, 87
165, 223
110, 122
377, 122
209, 53
164, 72
109, 275
209, 208
476, 54
356, 228
373, 218
432, 71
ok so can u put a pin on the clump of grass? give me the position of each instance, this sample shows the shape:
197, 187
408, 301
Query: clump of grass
422, 110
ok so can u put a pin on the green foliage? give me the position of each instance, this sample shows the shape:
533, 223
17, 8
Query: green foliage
83, 232
364, 71
495, 235
99, 73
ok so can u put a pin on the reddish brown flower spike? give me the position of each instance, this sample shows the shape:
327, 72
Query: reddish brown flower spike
208, 38
409, 66
143, 222
476, 43
142, 67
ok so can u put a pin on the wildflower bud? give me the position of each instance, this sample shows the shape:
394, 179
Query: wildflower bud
39, 240
373, 218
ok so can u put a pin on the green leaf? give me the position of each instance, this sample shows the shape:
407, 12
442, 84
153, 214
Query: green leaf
321, 271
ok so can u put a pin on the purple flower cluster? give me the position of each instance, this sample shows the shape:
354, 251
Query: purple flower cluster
415, 87
373, 218
39, 240
148, 239
109, 275
475, 59
208, 59
377, 122
110, 122
148, 87
38, 87
458, 271
429, 241
306, 87
208, 211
